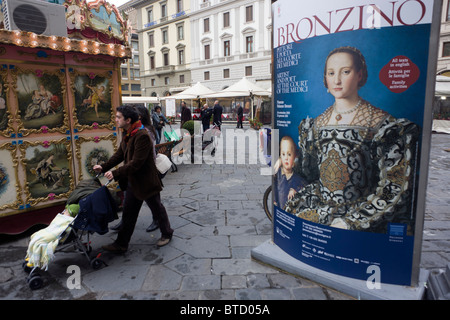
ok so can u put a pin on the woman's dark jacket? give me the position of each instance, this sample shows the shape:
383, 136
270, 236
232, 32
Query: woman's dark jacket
139, 169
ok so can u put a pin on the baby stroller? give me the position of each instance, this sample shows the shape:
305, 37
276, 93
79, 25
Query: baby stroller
89, 208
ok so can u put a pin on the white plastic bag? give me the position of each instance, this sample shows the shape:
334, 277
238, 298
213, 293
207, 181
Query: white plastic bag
163, 163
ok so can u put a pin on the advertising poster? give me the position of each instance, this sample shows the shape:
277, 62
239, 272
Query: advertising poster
349, 101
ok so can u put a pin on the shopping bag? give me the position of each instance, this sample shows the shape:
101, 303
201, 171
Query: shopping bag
171, 135
163, 163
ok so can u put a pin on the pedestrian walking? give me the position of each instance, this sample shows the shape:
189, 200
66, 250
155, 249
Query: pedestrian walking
158, 211
186, 114
217, 114
138, 175
240, 115
205, 116
159, 121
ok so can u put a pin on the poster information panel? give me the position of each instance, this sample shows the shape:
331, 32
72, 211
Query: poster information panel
350, 79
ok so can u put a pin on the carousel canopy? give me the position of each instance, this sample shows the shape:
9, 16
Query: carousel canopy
92, 28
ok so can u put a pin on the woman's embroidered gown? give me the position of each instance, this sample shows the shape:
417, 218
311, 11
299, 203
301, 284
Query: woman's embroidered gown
360, 175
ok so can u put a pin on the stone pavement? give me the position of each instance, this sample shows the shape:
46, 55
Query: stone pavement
216, 211
436, 234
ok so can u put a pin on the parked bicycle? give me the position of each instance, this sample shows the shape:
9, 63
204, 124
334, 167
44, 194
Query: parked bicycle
265, 135
268, 203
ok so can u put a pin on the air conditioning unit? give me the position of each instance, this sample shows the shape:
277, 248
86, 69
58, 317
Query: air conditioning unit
40, 17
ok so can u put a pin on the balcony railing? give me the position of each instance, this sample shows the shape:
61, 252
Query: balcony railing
165, 70
164, 19
147, 25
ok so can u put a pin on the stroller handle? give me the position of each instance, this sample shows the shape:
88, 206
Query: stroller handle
107, 183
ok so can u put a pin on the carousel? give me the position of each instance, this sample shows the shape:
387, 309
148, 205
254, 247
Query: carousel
59, 88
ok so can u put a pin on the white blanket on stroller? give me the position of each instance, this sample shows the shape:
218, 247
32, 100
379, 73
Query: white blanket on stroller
43, 242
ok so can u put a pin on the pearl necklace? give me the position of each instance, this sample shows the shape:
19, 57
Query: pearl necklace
339, 114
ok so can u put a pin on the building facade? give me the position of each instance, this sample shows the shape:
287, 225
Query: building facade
441, 105
164, 44
215, 42
130, 68
130, 71
231, 39
443, 66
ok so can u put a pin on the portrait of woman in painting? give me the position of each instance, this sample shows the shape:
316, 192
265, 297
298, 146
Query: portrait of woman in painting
358, 160
40, 100
47, 169
92, 100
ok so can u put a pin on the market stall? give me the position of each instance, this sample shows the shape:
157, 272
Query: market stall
245, 92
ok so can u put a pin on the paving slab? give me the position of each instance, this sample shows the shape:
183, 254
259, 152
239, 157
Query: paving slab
161, 278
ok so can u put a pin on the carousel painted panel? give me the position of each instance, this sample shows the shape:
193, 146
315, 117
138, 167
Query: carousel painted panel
41, 100
10, 190
92, 150
48, 170
98, 20
92, 94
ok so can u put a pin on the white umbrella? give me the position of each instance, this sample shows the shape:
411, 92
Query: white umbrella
442, 86
196, 91
242, 88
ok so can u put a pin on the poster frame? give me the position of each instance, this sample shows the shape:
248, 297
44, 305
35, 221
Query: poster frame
425, 137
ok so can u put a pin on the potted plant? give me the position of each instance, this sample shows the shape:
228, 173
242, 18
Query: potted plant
189, 126
255, 123
171, 120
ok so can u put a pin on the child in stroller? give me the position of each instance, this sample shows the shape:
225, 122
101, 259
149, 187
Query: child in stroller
89, 209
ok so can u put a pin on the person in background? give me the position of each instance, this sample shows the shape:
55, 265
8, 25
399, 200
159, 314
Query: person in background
217, 114
159, 121
240, 115
186, 114
159, 213
205, 116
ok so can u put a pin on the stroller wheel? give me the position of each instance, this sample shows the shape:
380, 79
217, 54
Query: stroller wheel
25, 267
88, 248
97, 263
35, 282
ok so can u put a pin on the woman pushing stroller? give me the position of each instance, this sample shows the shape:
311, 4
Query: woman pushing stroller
138, 176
